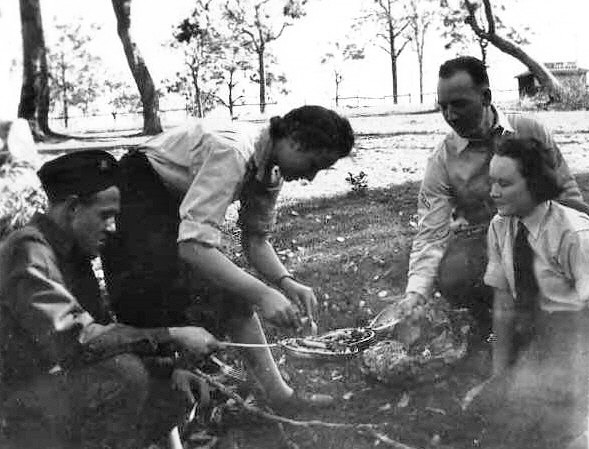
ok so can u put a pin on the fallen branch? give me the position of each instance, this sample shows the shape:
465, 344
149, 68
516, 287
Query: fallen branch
364, 429
288, 443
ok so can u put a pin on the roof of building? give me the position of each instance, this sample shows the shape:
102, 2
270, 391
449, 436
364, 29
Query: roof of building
559, 68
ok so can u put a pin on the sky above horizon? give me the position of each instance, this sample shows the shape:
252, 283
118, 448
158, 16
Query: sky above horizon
558, 34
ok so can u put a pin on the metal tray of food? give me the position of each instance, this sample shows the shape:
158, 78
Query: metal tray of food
335, 345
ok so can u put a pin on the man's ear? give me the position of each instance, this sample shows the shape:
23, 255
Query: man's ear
487, 96
72, 204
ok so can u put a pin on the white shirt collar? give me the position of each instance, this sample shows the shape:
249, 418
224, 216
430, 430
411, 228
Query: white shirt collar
534, 221
262, 153
501, 122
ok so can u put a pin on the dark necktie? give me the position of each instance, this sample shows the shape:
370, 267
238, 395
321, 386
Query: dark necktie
526, 285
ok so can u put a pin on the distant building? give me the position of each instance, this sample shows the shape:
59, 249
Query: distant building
566, 72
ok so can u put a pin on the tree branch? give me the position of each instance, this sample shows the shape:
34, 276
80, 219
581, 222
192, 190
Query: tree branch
364, 429
252, 38
402, 47
386, 49
403, 27
471, 20
489, 16
284, 25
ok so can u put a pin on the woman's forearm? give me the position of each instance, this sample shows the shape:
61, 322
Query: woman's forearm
262, 256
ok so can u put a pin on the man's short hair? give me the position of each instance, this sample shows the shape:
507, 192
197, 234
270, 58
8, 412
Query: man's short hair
81, 173
536, 164
469, 64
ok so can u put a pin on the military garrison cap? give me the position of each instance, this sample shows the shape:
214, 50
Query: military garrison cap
78, 173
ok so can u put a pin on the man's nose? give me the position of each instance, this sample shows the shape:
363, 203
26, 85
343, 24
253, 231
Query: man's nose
494, 191
111, 225
450, 114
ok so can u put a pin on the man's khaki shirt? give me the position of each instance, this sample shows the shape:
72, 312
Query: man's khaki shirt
456, 184
51, 314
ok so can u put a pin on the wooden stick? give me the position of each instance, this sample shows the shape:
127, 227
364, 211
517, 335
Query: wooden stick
365, 429
231, 344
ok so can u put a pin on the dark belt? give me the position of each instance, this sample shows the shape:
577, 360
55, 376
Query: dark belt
473, 230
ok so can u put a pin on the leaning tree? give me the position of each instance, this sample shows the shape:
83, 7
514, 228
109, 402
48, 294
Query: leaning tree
484, 23
147, 91
34, 94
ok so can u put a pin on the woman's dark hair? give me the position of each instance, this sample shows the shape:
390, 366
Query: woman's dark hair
315, 128
469, 64
536, 164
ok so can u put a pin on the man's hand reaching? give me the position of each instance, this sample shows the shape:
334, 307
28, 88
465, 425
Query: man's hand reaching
197, 341
410, 307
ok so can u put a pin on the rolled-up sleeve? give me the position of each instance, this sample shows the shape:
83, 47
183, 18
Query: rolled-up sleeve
434, 209
575, 257
495, 275
211, 191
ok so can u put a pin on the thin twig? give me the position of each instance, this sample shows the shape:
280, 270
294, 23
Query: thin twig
365, 429
285, 438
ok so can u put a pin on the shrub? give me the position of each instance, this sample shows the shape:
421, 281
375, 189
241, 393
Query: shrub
21, 196
358, 182
574, 97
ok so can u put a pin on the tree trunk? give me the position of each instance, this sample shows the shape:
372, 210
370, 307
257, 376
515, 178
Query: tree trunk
198, 100
230, 102
394, 70
34, 94
197, 92
149, 98
262, 74
483, 46
542, 74
420, 61
393, 61
64, 92
338, 80
230, 92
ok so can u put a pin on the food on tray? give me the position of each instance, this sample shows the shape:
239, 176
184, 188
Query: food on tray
420, 351
337, 342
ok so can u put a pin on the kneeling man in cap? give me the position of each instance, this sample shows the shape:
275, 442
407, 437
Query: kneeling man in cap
71, 376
